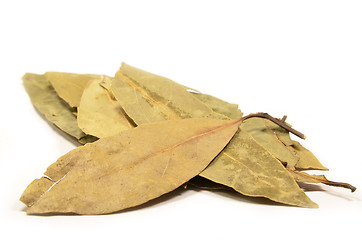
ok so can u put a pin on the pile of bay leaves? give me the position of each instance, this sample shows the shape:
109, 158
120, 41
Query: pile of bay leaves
144, 135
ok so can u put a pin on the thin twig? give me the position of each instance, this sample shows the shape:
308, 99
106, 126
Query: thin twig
340, 184
277, 121
319, 179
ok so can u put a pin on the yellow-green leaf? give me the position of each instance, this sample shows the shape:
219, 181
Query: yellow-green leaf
70, 86
251, 170
264, 132
45, 99
129, 168
307, 160
99, 114
150, 98
220, 106
281, 133
146, 97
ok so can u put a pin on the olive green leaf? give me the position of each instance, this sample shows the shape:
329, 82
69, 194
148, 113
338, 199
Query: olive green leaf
45, 99
251, 170
264, 132
281, 134
146, 97
129, 168
131, 165
278, 142
220, 106
307, 160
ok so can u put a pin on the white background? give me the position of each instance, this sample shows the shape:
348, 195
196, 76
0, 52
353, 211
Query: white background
300, 58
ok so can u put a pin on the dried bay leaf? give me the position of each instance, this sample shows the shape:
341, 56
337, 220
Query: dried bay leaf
303, 159
220, 106
45, 99
130, 168
281, 133
33, 193
277, 141
264, 132
307, 160
146, 98
231, 110
262, 128
70, 86
99, 114
247, 167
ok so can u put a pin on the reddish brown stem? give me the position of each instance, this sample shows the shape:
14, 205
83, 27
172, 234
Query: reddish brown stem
340, 184
277, 121
319, 179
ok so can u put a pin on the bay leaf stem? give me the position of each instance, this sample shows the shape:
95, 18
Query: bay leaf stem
279, 122
319, 179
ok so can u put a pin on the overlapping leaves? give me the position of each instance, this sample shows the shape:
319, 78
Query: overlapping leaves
261, 160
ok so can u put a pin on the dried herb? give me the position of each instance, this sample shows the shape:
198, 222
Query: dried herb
219, 106
165, 99
99, 114
149, 98
264, 132
307, 178
140, 156
45, 99
130, 168
307, 160
70, 86
247, 167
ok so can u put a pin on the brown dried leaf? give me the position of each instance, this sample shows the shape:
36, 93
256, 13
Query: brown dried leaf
130, 168
33, 193
306, 178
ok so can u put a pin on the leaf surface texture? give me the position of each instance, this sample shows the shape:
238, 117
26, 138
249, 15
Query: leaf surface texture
130, 168
99, 114
45, 99
70, 86
248, 168
146, 97
157, 94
